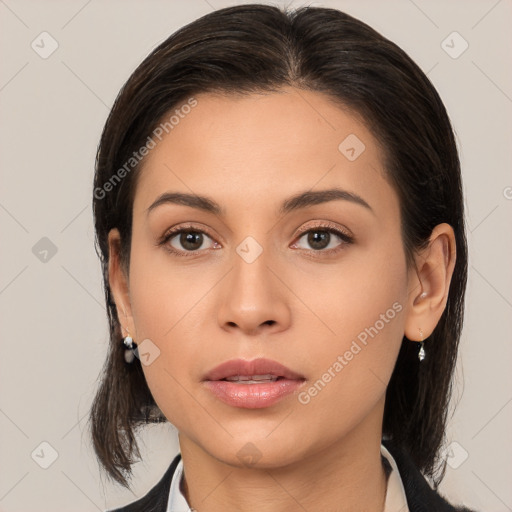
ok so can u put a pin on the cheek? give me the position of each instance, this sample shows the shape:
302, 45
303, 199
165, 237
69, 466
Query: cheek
361, 308
169, 307
162, 292
349, 298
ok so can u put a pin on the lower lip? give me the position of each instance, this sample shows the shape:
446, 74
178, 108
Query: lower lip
252, 396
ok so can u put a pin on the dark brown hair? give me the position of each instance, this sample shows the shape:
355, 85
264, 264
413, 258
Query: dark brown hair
255, 48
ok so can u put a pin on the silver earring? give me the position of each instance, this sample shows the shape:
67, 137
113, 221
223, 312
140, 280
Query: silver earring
129, 353
421, 353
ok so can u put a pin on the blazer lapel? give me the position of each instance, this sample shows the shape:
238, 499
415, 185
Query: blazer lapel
420, 496
156, 499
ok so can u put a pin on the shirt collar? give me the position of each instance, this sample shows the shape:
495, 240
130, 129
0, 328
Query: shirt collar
177, 502
396, 500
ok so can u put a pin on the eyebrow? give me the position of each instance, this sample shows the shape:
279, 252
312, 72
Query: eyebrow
296, 202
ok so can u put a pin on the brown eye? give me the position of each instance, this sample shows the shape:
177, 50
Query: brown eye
320, 239
185, 241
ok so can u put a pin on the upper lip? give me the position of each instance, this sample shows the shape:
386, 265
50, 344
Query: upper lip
260, 366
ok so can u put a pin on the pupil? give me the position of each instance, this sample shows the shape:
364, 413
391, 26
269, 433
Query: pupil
317, 239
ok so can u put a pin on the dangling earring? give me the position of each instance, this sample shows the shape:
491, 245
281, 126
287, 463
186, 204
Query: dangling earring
421, 353
129, 353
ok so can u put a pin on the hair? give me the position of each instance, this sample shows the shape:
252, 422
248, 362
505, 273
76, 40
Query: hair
260, 48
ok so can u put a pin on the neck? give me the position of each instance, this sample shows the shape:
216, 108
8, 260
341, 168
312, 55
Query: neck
346, 476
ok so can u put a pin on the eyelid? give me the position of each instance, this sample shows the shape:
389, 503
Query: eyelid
183, 227
325, 224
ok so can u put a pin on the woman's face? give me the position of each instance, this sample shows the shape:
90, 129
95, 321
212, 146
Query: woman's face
266, 277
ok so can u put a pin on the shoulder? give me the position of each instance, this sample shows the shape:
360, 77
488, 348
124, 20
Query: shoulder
420, 496
156, 499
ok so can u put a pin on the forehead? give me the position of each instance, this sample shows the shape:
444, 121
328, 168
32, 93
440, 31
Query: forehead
259, 147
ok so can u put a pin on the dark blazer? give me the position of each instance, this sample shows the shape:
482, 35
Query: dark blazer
420, 496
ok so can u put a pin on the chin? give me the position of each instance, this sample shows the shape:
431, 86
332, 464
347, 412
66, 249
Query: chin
258, 451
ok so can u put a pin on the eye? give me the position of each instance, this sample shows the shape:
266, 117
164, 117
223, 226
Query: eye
187, 239
324, 238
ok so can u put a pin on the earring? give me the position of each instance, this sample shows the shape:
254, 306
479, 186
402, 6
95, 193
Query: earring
421, 353
129, 353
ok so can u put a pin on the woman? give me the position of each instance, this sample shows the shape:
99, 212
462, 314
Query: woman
279, 216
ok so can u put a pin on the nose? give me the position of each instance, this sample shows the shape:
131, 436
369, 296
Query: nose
254, 300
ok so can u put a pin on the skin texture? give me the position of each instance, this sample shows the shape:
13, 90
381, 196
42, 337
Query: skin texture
249, 154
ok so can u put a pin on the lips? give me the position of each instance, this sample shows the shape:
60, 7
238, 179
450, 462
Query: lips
257, 370
252, 384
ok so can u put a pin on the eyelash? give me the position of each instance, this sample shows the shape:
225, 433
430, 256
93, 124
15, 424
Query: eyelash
324, 227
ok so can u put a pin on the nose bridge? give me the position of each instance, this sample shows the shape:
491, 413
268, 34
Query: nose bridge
254, 296
251, 277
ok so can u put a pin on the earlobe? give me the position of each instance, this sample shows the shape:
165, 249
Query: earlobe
118, 281
430, 283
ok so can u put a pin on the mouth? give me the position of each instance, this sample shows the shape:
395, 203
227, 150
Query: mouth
250, 372
252, 384
253, 379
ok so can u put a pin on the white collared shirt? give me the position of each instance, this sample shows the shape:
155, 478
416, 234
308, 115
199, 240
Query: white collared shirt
395, 494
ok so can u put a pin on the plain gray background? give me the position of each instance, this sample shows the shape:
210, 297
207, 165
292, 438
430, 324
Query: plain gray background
54, 329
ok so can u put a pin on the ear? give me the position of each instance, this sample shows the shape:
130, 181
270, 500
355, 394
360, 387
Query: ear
429, 283
119, 284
